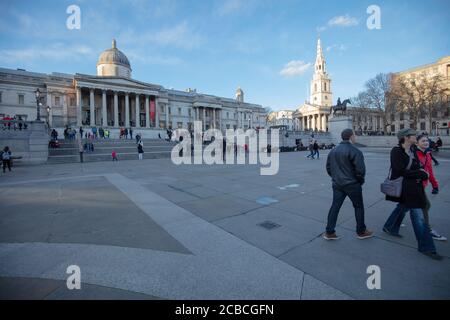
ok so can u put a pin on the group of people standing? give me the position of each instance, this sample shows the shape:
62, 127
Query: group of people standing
411, 159
124, 132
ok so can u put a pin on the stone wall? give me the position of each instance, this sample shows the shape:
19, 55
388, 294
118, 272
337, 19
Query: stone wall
30, 144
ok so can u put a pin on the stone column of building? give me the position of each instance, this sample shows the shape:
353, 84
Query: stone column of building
214, 117
147, 112
305, 121
127, 109
92, 107
79, 120
104, 111
137, 112
157, 106
50, 112
116, 110
66, 101
324, 123
220, 119
204, 119
166, 108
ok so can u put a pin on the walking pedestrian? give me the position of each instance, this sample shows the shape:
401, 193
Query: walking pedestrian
6, 159
140, 150
114, 156
131, 133
425, 160
311, 150
315, 149
405, 164
345, 165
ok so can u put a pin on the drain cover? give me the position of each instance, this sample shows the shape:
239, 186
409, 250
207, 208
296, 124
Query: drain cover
269, 225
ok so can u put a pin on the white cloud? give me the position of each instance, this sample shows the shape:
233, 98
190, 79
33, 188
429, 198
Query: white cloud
295, 68
230, 6
55, 51
343, 21
179, 36
338, 47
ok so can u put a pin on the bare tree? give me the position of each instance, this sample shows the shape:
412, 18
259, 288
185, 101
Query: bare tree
375, 96
418, 96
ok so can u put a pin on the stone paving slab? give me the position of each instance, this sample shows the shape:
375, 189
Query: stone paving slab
227, 198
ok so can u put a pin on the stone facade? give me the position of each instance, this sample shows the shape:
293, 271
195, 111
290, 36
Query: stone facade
281, 118
113, 99
440, 123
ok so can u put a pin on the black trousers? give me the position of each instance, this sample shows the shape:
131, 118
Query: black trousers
354, 192
6, 163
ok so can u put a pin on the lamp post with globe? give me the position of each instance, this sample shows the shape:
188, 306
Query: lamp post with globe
38, 104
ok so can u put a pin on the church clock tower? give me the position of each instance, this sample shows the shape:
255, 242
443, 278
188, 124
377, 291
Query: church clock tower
321, 94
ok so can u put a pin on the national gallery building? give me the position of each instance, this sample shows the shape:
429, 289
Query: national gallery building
112, 99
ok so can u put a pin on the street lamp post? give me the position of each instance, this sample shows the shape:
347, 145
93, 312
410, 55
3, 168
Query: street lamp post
38, 98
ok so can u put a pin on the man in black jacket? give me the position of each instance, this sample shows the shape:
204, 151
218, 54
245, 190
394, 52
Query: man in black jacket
345, 165
404, 163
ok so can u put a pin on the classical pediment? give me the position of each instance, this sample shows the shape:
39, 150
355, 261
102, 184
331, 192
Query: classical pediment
85, 80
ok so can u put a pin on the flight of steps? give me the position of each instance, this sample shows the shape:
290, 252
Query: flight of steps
68, 151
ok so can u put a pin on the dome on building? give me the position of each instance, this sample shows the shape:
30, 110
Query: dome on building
239, 95
113, 62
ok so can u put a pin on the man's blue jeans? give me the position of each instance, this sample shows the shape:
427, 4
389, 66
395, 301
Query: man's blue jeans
354, 192
421, 229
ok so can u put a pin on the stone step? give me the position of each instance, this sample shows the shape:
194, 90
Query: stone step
106, 149
91, 157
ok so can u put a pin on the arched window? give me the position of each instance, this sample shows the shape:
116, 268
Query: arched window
315, 87
325, 86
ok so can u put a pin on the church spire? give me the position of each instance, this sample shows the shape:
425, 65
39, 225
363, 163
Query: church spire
320, 60
320, 93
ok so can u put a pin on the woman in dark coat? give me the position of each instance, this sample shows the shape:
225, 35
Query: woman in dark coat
413, 197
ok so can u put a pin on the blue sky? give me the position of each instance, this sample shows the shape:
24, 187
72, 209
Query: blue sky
217, 45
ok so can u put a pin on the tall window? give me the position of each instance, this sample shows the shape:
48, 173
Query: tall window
315, 87
21, 99
57, 101
179, 111
325, 86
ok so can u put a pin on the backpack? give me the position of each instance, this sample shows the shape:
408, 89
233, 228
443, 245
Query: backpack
6, 155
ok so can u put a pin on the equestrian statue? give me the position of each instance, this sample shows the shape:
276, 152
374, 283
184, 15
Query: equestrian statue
340, 106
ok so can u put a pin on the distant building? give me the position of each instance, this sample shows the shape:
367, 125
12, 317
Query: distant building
440, 123
281, 118
112, 99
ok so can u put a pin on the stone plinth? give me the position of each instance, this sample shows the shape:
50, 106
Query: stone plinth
337, 124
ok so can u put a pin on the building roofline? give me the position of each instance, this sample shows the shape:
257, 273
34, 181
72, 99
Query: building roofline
425, 66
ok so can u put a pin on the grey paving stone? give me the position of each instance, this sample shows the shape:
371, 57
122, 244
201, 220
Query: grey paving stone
293, 231
219, 207
314, 289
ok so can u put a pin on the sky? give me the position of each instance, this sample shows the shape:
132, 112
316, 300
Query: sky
267, 47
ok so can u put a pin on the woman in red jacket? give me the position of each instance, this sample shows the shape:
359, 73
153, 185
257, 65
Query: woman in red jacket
424, 157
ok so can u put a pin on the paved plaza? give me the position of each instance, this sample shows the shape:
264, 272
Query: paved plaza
153, 230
